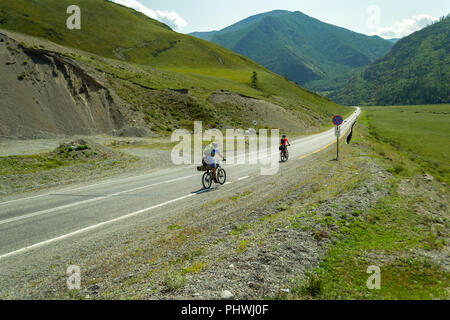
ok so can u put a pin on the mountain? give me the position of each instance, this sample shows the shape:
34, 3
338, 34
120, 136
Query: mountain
318, 55
415, 71
393, 40
208, 36
124, 72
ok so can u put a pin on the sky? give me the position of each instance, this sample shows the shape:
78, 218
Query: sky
386, 18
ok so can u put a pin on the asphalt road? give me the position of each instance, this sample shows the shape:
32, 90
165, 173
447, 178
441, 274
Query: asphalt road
33, 222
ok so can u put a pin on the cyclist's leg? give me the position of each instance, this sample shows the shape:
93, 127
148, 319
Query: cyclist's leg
214, 166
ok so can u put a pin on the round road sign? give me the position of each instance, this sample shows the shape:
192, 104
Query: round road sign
338, 120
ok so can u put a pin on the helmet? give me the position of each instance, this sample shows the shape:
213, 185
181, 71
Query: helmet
284, 136
215, 145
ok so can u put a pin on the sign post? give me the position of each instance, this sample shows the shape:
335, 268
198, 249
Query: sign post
337, 121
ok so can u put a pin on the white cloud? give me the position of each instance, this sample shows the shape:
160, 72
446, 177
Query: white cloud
170, 18
405, 27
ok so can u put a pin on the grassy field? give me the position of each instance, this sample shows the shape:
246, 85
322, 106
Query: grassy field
406, 231
421, 132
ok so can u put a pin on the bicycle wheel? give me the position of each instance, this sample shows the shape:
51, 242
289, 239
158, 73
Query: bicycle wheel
207, 180
283, 156
221, 176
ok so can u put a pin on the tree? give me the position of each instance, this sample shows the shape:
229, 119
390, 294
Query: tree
255, 80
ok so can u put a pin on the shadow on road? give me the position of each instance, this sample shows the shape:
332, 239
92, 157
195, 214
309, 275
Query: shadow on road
203, 190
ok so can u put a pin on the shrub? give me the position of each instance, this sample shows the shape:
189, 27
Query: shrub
82, 147
242, 246
314, 286
255, 80
174, 280
396, 169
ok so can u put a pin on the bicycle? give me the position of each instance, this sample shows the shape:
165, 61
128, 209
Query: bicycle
284, 154
208, 179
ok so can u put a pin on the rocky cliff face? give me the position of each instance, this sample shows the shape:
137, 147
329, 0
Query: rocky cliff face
45, 94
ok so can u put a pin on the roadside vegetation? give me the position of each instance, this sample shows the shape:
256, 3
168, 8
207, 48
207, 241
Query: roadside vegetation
406, 232
422, 133
70, 162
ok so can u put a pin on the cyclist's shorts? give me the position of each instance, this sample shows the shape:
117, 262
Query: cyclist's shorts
210, 166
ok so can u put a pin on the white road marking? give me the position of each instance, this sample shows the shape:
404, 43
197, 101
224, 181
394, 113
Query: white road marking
38, 213
36, 245
243, 178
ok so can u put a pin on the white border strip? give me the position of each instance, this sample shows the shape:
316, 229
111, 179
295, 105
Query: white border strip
93, 227
38, 213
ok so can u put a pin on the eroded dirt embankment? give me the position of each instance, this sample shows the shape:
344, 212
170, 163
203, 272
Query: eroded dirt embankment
44, 94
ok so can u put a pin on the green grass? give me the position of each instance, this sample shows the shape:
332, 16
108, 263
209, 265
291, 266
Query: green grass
62, 157
175, 280
197, 267
392, 232
241, 195
242, 246
30, 164
421, 132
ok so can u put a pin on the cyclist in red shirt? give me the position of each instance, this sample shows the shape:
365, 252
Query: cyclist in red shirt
285, 142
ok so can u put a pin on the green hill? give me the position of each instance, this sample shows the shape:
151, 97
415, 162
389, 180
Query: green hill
317, 55
154, 58
239, 25
113, 31
415, 71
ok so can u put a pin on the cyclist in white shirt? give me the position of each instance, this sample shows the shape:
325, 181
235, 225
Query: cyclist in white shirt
208, 158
